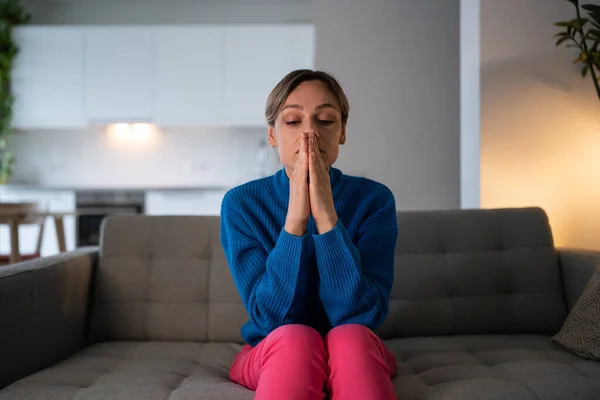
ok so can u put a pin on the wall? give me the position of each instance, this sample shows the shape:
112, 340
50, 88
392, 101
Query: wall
166, 157
470, 103
398, 61
540, 133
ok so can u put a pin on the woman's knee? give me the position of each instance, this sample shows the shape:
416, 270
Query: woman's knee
348, 336
301, 338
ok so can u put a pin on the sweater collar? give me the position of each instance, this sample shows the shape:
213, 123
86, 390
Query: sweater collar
282, 182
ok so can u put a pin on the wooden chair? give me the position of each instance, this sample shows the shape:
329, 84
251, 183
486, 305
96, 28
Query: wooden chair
19, 214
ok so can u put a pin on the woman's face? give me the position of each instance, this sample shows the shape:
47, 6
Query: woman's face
311, 107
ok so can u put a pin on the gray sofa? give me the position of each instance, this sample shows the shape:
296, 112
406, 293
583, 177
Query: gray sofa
154, 314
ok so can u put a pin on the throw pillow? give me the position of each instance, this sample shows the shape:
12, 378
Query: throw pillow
581, 330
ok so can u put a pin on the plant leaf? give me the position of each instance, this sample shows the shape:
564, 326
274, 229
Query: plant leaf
581, 58
579, 23
561, 40
567, 24
576, 23
595, 19
594, 34
591, 7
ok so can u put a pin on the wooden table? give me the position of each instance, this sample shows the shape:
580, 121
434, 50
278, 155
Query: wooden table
16, 214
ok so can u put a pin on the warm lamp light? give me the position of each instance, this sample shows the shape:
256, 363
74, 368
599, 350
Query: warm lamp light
120, 130
141, 131
136, 133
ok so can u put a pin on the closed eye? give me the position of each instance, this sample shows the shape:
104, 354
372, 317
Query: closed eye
325, 122
292, 123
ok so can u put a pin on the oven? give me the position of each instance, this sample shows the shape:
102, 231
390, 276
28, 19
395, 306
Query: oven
94, 206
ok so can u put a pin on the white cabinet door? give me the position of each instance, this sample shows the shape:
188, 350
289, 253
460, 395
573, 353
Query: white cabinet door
55, 201
189, 75
47, 77
189, 202
256, 58
119, 74
303, 47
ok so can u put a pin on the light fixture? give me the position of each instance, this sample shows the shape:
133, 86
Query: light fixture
134, 133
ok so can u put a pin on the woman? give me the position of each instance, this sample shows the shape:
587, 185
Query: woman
311, 253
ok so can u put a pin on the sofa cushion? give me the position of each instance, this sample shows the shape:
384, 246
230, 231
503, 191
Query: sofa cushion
456, 272
473, 367
164, 278
520, 367
581, 331
475, 271
137, 371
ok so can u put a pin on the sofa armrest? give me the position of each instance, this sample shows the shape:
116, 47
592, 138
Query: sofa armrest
43, 311
577, 267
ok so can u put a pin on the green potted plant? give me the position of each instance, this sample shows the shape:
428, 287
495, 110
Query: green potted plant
11, 14
583, 34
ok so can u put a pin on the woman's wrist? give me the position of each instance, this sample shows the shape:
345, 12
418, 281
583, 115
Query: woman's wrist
296, 227
326, 224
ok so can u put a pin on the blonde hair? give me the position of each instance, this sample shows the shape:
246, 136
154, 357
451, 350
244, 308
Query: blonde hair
291, 81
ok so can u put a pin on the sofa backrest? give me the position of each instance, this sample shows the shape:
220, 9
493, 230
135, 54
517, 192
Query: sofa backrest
164, 278
457, 272
475, 271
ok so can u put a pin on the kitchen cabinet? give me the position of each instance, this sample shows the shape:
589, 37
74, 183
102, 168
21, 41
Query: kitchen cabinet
189, 76
47, 78
184, 202
256, 58
204, 75
50, 200
119, 74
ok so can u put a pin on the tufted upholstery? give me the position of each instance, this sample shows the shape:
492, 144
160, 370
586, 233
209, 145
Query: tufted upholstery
165, 278
475, 271
512, 367
137, 371
473, 367
476, 295
462, 272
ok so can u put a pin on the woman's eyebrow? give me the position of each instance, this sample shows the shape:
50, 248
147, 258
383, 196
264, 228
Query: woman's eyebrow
326, 105
298, 106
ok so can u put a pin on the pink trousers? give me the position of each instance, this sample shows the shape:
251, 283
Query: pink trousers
294, 362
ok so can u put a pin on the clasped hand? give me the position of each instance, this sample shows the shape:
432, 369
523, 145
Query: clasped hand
310, 189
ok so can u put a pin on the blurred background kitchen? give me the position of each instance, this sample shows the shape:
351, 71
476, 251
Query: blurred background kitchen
153, 107
157, 107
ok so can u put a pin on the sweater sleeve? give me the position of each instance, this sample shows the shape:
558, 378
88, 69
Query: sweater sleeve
356, 278
271, 284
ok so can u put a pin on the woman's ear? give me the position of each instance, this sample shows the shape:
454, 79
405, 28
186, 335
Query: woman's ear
343, 135
272, 138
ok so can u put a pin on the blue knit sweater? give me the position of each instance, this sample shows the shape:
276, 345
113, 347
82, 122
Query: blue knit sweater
343, 276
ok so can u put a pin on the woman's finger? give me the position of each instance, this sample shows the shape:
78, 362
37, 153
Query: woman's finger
319, 157
312, 165
299, 157
302, 154
304, 157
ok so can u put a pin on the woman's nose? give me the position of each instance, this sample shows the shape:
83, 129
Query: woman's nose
310, 126
311, 131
